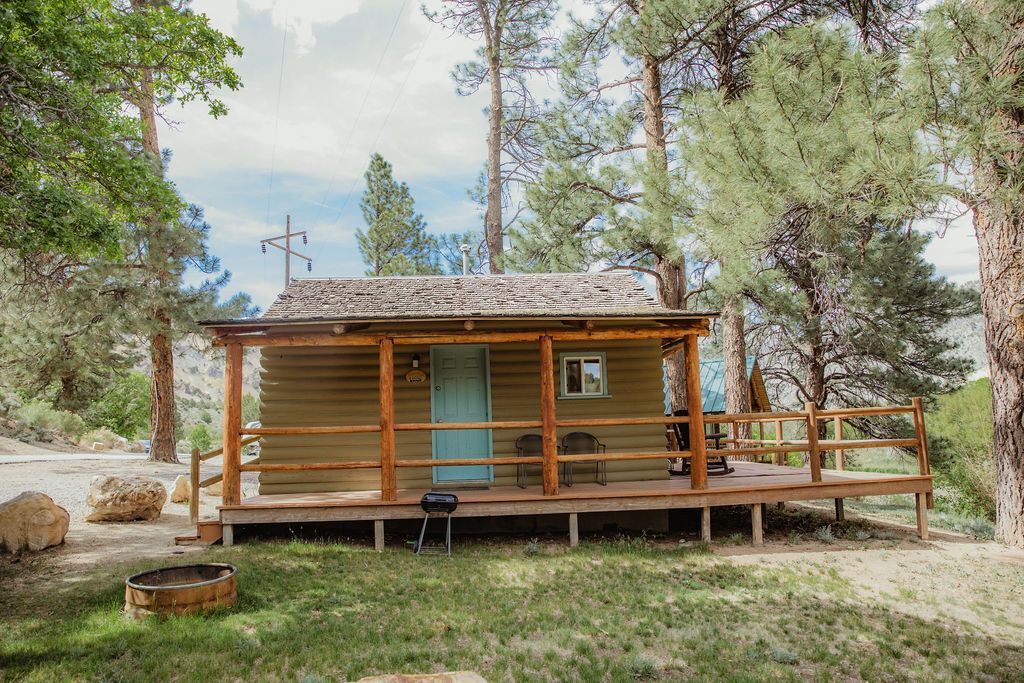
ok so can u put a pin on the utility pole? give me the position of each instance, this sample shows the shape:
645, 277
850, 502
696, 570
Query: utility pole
287, 248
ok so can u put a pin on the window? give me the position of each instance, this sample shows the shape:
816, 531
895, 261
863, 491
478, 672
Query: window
583, 375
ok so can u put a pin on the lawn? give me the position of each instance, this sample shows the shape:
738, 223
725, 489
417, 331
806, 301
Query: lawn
615, 610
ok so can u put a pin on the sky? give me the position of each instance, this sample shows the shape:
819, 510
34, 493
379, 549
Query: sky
325, 84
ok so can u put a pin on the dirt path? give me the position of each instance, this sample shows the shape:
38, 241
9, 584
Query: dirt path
948, 578
88, 544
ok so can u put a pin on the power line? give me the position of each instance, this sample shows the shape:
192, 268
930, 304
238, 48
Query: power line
387, 118
359, 114
277, 120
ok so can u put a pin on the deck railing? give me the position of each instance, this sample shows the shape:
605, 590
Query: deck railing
774, 446
195, 463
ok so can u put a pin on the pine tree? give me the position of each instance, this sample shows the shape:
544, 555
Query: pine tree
967, 73
515, 37
395, 241
811, 179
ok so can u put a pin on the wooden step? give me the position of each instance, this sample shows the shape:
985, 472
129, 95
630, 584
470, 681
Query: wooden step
209, 531
186, 539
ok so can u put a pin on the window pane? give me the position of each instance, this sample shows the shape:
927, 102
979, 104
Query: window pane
592, 376
573, 381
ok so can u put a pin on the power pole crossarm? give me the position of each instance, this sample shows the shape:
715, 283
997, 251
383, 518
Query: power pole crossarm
287, 249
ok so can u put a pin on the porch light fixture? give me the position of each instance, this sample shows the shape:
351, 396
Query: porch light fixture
415, 376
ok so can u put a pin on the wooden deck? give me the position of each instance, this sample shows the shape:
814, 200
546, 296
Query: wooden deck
751, 483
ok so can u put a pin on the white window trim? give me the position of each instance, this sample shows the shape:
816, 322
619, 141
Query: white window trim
582, 356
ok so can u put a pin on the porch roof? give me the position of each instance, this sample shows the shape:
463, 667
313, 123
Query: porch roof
409, 298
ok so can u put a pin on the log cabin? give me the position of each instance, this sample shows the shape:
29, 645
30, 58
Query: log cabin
527, 395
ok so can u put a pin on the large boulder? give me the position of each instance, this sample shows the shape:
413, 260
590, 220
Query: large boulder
125, 499
181, 491
32, 521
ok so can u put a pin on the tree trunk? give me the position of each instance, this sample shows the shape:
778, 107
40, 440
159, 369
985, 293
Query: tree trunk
999, 226
163, 446
493, 228
671, 271
734, 354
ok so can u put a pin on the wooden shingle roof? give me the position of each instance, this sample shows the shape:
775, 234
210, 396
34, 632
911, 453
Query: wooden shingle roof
553, 295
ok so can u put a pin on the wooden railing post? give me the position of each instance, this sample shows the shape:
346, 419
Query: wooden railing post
549, 429
232, 455
388, 475
695, 410
840, 453
813, 452
779, 456
922, 443
193, 496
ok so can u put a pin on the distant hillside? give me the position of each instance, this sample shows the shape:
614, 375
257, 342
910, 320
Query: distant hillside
199, 378
969, 334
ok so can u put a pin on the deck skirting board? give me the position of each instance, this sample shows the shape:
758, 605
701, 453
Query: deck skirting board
676, 498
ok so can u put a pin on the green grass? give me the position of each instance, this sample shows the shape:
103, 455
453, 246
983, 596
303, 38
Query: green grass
620, 611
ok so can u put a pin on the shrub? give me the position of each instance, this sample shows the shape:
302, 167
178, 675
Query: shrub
45, 420
125, 407
960, 447
199, 437
102, 435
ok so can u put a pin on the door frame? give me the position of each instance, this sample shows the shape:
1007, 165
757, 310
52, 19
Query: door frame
433, 433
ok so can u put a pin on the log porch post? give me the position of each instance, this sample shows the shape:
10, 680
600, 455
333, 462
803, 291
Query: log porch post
695, 409
549, 431
232, 456
840, 453
388, 475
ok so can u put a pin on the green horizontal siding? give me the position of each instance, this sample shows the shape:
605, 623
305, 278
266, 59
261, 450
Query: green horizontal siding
320, 386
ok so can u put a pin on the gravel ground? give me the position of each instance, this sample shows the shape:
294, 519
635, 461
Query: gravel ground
88, 544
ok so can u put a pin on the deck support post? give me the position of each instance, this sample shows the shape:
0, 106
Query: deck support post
921, 503
549, 429
840, 512
757, 524
574, 529
813, 451
695, 410
922, 443
232, 455
388, 475
705, 524
227, 535
378, 535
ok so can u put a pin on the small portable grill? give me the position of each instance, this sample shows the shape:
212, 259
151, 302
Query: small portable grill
436, 504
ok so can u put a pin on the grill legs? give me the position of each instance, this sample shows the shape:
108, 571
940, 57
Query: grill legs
420, 550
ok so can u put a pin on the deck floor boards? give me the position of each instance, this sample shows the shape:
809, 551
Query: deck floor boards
750, 483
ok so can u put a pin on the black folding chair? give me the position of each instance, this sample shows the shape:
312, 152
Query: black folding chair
579, 443
527, 446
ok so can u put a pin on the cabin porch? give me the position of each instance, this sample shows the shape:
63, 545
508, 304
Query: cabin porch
752, 483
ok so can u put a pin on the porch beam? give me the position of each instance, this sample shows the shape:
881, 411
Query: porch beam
232, 461
549, 429
388, 476
695, 408
699, 327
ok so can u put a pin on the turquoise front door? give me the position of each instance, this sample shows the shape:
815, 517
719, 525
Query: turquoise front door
460, 392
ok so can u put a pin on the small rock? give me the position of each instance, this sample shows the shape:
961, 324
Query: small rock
32, 521
125, 499
181, 492
215, 489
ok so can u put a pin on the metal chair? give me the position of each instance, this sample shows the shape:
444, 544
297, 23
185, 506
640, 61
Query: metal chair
578, 443
527, 446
